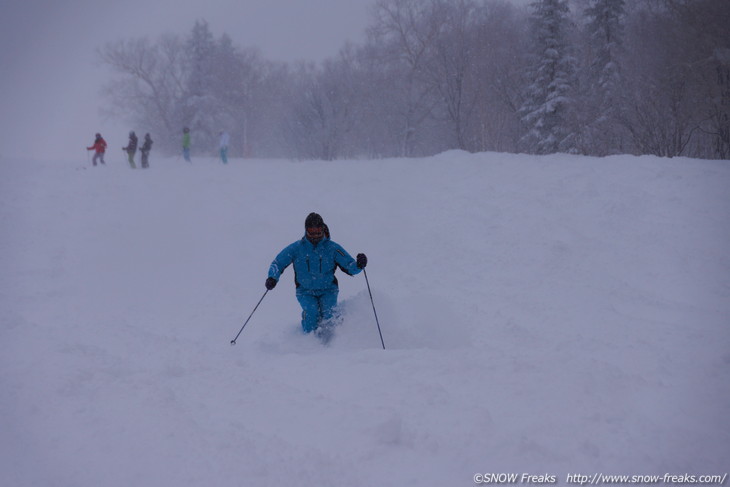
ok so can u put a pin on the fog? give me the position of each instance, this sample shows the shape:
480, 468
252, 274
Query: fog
669, 73
49, 89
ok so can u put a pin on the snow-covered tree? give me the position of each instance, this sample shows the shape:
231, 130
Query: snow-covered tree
500, 58
704, 38
236, 85
549, 100
670, 75
451, 70
204, 120
148, 91
603, 86
405, 32
326, 108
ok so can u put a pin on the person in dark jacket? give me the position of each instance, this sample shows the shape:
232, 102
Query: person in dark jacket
145, 150
131, 149
99, 146
315, 258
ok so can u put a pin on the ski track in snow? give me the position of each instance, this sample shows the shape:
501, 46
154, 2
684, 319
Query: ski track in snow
556, 314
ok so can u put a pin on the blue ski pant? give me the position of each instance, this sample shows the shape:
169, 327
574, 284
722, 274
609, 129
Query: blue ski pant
224, 155
317, 308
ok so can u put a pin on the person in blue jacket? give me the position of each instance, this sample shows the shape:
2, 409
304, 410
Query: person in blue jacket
315, 258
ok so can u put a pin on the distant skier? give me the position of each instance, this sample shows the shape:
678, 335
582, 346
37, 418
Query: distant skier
315, 258
145, 150
99, 146
223, 146
186, 144
131, 149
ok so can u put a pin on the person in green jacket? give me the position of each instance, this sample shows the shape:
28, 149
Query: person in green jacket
186, 144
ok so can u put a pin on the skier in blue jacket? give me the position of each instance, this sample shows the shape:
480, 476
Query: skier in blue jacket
315, 258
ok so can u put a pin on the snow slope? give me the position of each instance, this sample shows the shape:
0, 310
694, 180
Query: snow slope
544, 315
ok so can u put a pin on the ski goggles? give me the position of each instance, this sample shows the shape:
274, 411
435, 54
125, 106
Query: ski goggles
315, 232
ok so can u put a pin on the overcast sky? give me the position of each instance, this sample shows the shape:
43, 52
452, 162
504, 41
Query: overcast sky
49, 86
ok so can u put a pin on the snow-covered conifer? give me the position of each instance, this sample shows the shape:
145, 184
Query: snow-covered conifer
549, 99
605, 31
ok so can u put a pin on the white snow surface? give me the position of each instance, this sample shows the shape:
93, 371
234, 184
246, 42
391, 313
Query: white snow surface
543, 315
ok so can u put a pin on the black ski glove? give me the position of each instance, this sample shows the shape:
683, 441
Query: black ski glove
362, 261
270, 283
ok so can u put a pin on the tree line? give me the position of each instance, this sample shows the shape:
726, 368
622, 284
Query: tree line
593, 77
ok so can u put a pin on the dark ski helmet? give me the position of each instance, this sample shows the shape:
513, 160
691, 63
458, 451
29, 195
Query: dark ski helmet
98, 135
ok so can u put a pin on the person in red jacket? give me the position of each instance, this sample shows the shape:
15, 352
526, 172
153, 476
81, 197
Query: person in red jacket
99, 146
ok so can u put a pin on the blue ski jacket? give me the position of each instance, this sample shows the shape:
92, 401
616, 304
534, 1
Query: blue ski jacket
314, 265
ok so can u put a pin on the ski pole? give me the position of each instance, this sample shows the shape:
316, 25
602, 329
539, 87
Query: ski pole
375, 312
233, 342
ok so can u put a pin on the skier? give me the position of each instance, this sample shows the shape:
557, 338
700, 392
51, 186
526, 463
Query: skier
145, 150
131, 149
99, 146
223, 145
315, 258
186, 144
